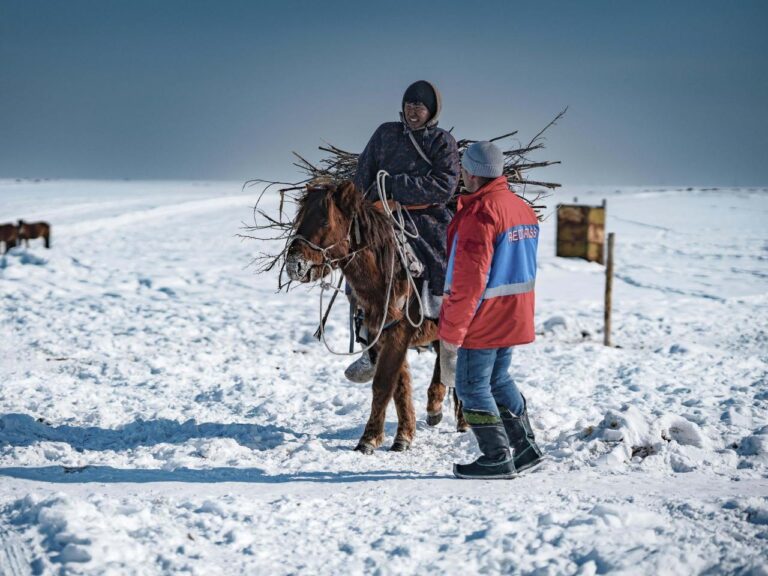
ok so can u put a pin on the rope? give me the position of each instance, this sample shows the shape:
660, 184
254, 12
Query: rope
325, 285
328, 310
401, 233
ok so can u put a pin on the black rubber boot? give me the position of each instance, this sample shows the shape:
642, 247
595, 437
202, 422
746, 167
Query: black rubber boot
526, 452
496, 461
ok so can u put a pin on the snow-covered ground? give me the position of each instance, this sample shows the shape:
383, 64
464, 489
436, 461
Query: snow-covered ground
163, 410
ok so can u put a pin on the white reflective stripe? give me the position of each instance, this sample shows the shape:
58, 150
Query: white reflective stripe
509, 289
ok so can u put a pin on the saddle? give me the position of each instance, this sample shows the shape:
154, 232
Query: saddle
393, 204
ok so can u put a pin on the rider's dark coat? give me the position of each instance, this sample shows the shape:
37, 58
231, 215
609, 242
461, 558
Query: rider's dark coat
413, 181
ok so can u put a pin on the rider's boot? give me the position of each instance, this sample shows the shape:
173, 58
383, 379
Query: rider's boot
362, 369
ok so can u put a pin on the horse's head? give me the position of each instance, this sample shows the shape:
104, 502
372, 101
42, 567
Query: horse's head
321, 230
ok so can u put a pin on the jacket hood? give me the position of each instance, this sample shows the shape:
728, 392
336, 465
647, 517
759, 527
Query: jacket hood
432, 122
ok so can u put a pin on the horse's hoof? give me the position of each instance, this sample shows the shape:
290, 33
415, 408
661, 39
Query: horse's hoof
400, 445
434, 419
364, 448
462, 427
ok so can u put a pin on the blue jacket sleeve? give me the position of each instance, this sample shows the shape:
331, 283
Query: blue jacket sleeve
438, 185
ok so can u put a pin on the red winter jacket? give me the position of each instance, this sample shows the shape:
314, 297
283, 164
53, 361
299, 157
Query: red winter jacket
489, 298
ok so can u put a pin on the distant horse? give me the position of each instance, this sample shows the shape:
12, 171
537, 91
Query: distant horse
9, 236
32, 230
335, 228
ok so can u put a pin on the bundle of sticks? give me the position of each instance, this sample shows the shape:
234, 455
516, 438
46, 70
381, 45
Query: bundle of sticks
340, 165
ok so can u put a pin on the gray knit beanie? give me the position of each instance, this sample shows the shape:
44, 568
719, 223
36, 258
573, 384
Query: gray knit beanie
483, 159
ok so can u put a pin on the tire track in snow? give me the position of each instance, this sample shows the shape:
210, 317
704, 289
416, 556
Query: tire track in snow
646, 225
667, 289
153, 214
14, 560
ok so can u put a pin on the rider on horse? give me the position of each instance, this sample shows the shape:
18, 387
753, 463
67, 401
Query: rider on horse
423, 165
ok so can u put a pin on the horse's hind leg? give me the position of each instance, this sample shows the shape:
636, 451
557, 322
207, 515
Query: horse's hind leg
406, 414
391, 357
461, 423
435, 394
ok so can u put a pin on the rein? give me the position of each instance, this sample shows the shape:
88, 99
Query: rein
326, 285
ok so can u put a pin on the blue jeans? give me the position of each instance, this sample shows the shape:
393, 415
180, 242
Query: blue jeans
483, 381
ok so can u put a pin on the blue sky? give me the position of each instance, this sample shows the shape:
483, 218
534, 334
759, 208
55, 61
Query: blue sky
660, 93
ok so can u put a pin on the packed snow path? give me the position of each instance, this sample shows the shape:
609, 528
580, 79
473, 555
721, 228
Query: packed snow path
163, 410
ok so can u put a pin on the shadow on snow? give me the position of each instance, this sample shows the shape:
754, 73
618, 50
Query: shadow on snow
23, 430
107, 474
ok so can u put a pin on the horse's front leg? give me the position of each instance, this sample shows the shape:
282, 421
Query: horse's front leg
435, 393
406, 414
388, 365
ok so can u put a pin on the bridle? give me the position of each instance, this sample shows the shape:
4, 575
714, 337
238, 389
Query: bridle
329, 261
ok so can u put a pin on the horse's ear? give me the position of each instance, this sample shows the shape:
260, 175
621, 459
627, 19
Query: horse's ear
347, 197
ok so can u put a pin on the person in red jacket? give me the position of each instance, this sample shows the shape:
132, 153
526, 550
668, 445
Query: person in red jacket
487, 309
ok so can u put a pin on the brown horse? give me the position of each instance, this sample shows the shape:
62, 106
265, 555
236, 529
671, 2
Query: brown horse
32, 230
9, 236
336, 229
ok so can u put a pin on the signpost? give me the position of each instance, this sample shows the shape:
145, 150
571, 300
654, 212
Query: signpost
608, 292
581, 234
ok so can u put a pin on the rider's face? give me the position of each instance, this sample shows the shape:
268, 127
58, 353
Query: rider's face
416, 114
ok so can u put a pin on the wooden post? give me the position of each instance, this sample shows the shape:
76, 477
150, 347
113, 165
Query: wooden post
608, 292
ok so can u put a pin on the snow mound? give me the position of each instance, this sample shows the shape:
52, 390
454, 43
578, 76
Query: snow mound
628, 436
755, 444
554, 322
683, 431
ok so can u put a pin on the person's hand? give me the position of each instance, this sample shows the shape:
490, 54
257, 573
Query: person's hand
448, 353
